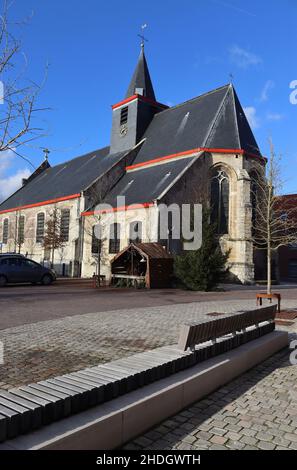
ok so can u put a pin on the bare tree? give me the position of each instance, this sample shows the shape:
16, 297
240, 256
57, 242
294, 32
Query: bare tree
274, 216
19, 236
18, 96
53, 236
95, 231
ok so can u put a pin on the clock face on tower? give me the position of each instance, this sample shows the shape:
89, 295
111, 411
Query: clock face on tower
123, 130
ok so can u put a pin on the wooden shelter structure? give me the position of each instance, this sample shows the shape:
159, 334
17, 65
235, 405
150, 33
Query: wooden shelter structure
144, 264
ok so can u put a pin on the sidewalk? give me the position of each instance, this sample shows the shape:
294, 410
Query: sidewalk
256, 411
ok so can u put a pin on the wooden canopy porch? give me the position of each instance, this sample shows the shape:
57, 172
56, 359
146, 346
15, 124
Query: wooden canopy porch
147, 264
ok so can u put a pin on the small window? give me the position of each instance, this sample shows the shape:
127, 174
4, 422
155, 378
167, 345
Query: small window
40, 227
124, 115
96, 240
65, 222
21, 229
114, 238
5, 231
135, 235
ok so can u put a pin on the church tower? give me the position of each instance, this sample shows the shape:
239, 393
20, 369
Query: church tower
131, 117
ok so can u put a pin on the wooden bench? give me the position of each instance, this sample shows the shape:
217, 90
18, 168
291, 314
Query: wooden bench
29, 407
261, 296
195, 333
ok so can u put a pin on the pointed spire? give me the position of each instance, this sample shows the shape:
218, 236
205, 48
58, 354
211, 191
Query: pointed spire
141, 83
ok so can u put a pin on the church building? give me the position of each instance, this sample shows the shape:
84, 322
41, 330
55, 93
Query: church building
202, 148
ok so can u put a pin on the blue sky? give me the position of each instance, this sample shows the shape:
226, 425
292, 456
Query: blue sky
92, 48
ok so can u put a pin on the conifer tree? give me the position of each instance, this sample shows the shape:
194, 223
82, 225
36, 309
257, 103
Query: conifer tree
204, 268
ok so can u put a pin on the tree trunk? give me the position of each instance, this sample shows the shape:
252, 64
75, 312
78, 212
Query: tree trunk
53, 258
268, 269
99, 262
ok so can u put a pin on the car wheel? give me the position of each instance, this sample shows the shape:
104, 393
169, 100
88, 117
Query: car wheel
3, 281
46, 280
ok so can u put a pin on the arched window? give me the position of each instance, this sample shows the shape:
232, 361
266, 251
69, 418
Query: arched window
21, 230
40, 227
65, 221
220, 201
135, 235
114, 238
5, 231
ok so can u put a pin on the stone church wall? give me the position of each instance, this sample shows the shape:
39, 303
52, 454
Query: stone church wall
148, 217
65, 258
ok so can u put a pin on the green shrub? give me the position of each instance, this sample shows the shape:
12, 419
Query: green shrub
202, 269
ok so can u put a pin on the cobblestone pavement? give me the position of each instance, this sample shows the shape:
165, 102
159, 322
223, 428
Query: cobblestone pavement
258, 410
44, 349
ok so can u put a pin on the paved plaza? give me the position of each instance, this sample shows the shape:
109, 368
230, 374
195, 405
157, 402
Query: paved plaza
258, 410
40, 350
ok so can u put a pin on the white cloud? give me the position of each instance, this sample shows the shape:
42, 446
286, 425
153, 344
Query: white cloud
251, 114
10, 183
243, 58
275, 116
269, 85
5, 160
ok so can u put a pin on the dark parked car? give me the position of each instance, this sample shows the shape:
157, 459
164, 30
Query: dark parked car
17, 268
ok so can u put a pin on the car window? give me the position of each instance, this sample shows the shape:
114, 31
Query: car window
3, 261
14, 261
29, 263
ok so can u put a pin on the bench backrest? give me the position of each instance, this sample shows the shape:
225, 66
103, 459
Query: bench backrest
192, 334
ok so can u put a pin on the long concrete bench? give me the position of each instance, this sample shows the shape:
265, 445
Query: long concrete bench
29, 407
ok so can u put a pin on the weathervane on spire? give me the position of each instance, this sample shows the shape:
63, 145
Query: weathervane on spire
143, 38
231, 76
46, 153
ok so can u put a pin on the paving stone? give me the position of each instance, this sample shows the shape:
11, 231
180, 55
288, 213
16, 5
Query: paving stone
293, 445
201, 444
280, 441
236, 445
248, 432
218, 431
248, 440
218, 440
263, 436
266, 445
291, 437
234, 436
189, 439
233, 428
203, 435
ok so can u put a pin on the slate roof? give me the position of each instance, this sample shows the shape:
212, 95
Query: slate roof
147, 184
141, 79
64, 179
214, 120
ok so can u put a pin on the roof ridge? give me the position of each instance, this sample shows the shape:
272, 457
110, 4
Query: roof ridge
49, 169
80, 156
236, 117
216, 117
193, 99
